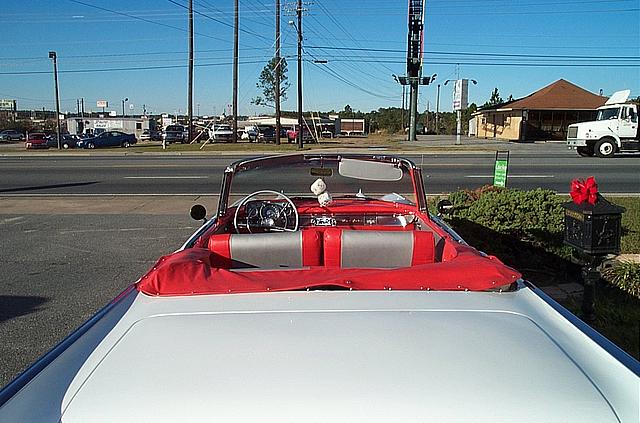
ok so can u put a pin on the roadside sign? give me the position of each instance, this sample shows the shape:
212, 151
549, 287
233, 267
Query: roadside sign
500, 169
461, 94
102, 104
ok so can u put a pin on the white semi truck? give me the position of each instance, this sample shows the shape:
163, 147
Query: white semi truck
614, 130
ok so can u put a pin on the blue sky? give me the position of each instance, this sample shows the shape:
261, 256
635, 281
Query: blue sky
587, 42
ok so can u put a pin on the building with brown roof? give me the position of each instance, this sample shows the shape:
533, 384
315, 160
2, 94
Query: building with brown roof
543, 115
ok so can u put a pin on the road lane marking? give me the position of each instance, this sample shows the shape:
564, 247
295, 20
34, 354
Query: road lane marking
512, 176
166, 177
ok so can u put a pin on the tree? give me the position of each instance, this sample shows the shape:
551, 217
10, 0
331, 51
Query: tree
267, 83
495, 99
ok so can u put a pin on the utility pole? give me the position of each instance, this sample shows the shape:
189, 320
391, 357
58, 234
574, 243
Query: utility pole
235, 71
190, 94
402, 117
278, 71
299, 11
54, 57
82, 109
438, 111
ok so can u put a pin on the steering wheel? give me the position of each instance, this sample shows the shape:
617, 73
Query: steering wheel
271, 214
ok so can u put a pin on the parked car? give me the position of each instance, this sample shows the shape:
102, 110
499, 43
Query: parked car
328, 302
68, 141
36, 140
250, 133
9, 135
146, 135
267, 133
175, 133
108, 139
221, 133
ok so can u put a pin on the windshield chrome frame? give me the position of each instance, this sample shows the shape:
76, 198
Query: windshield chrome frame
257, 162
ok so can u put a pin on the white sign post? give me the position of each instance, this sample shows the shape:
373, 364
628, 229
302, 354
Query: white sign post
460, 102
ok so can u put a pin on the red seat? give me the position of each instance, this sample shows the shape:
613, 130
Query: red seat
272, 250
377, 249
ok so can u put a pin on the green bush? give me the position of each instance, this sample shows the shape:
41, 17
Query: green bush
534, 216
625, 275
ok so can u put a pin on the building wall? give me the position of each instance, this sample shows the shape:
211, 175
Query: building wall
500, 125
520, 125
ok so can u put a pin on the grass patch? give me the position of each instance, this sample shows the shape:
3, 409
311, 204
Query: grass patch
630, 243
617, 317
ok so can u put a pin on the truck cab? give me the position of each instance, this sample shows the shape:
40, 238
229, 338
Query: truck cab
614, 130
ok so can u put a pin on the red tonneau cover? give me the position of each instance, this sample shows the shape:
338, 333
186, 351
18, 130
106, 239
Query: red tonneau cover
190, 272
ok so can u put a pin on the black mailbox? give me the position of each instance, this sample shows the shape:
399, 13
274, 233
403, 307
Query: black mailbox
593, 229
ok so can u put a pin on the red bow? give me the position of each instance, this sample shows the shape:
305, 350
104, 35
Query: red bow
582, 191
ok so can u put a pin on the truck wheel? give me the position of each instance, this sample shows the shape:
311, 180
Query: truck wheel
605, 148
585, 152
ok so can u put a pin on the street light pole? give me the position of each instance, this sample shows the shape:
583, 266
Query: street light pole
124, 100
53, 56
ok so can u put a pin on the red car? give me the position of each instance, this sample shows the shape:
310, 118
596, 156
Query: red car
36, 140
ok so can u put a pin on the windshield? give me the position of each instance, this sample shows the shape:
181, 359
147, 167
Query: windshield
606, 114
295, 180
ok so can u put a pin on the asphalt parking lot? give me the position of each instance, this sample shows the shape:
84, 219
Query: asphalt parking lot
57, 270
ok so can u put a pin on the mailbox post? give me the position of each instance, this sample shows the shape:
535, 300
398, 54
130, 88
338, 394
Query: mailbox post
592, 226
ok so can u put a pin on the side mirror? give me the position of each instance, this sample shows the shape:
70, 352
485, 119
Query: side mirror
444, 207
198, 212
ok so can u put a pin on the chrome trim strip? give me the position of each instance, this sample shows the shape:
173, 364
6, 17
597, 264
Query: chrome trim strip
26, 376
622, 356
192, 239
448, 229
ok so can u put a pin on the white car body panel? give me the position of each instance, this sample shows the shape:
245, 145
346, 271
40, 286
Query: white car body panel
336, 356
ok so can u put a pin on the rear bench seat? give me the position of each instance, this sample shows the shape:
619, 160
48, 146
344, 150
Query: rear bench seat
273, 250
377, 249
339, 248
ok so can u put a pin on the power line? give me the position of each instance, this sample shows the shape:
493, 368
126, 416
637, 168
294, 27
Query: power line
219, 21
547, 56
127, 68
143, 19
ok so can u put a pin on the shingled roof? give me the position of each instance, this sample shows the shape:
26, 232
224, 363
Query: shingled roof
561, 95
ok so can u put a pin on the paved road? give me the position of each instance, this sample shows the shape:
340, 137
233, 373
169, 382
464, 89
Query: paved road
184, 175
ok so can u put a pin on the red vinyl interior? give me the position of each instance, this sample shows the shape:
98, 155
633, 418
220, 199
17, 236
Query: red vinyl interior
194, 272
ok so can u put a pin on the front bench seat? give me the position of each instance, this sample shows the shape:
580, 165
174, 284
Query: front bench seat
271, 250
377, 249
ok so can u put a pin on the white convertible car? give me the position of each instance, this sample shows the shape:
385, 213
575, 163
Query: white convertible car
330, 296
